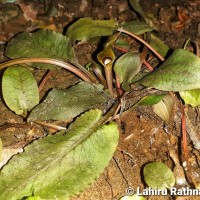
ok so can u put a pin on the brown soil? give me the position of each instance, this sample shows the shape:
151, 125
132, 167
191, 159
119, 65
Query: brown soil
144, 136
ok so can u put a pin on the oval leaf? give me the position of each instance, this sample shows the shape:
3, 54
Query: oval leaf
20, 90
159, 45
181, 71
68, 103
150, 100
137, 27
61, 165
126, 67
191, 97
123, 44
158, 175
147, 101
41, 44
135, 4
86, 28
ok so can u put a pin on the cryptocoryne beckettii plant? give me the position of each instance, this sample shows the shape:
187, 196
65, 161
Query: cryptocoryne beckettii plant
62, 165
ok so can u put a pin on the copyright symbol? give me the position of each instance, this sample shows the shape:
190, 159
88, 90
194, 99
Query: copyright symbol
129, 191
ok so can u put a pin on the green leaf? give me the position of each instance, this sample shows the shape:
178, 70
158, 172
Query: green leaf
20, 90
137, 27
86, 28
41, 44
191, 97
158, 175
68, 103
8, 1
181, 71
61, 165
133, 197
159, 45
126, 67
147, 101
137, 7
111, 40
150, 100
123, 44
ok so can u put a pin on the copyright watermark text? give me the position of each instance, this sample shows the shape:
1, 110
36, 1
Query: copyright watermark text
163, 192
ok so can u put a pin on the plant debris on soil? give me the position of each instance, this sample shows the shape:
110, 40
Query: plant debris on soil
144, 137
